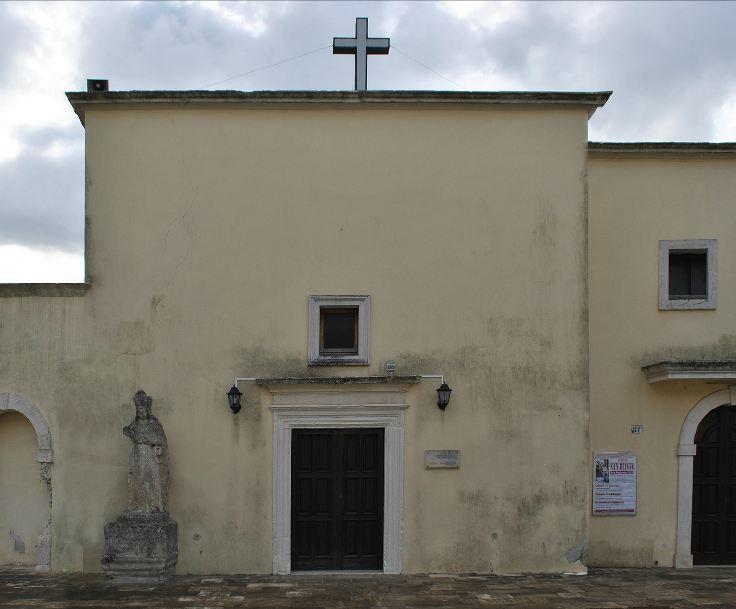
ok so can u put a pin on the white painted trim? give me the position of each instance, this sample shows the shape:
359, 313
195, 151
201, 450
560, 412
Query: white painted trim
693, 376
288, 414
363, 303
686, 451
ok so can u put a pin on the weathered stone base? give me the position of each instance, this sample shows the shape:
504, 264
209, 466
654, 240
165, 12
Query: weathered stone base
44, 551
141, 547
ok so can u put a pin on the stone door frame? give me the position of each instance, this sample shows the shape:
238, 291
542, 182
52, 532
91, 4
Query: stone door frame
686, 451
344, 407
44, 457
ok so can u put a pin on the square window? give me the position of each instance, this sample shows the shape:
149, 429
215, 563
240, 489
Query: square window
339, 330
687, 274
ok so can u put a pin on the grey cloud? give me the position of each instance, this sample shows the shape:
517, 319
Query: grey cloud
42, 199
16, 39
670, 66
161, 45
668, 63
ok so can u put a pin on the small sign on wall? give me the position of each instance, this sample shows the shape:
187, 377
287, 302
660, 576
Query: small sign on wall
442, 459
614, 484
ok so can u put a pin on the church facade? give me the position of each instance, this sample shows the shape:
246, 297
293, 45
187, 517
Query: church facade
336, 257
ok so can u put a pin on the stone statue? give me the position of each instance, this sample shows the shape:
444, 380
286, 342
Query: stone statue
141, 544
148, 465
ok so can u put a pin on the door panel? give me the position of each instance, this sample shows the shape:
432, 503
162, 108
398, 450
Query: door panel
714, 489
337, 499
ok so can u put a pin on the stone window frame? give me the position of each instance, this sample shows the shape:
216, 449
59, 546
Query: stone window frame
710, 247
363, 304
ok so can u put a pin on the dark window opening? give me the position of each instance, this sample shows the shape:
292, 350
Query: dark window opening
338, 331
688, 274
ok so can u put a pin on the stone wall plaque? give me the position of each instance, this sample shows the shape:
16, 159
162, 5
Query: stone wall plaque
442, 459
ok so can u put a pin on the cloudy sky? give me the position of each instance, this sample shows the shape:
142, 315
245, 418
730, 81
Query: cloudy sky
672, 67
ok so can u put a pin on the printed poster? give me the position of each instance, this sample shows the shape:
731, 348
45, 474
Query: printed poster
614, 484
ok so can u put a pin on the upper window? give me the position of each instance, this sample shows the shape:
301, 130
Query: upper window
687, 274
339, 330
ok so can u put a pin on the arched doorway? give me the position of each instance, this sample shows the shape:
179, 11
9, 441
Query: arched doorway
23, 500
686, 452
714, 489
26, 457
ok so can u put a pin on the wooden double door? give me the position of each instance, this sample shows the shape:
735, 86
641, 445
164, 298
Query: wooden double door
337, 499
714, 489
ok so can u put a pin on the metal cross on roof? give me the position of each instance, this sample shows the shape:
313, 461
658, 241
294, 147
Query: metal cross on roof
361, 46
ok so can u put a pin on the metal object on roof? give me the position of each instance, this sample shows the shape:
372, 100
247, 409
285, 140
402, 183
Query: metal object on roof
361, 46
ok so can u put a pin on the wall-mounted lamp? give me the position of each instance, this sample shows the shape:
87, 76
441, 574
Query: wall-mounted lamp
443, 391
443, 396
233, 397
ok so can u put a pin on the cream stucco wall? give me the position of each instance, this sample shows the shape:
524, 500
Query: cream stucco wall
207, 230
23, 497
636, 200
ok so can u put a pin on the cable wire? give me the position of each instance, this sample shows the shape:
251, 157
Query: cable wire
270, 65
424, 65
278, 63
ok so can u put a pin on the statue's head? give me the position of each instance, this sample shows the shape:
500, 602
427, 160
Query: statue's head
142, 405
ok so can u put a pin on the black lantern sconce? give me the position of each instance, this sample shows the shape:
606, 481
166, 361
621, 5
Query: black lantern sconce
443, 396
233, 397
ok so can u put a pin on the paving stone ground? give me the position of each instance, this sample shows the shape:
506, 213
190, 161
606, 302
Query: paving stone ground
713, 588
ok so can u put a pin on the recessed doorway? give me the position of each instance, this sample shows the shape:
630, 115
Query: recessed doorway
24, 501
714, 489
337, 499
354, 406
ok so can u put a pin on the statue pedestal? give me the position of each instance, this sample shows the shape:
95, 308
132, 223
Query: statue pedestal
141, 547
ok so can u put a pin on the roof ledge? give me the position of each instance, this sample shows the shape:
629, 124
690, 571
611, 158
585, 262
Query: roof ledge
693, 371
669, 149
82, 100
337, 380
38, 290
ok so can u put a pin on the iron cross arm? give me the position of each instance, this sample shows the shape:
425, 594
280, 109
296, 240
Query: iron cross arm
361, 46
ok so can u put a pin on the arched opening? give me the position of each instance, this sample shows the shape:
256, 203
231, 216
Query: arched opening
24, 500
26, 458
686, 452
714, 489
